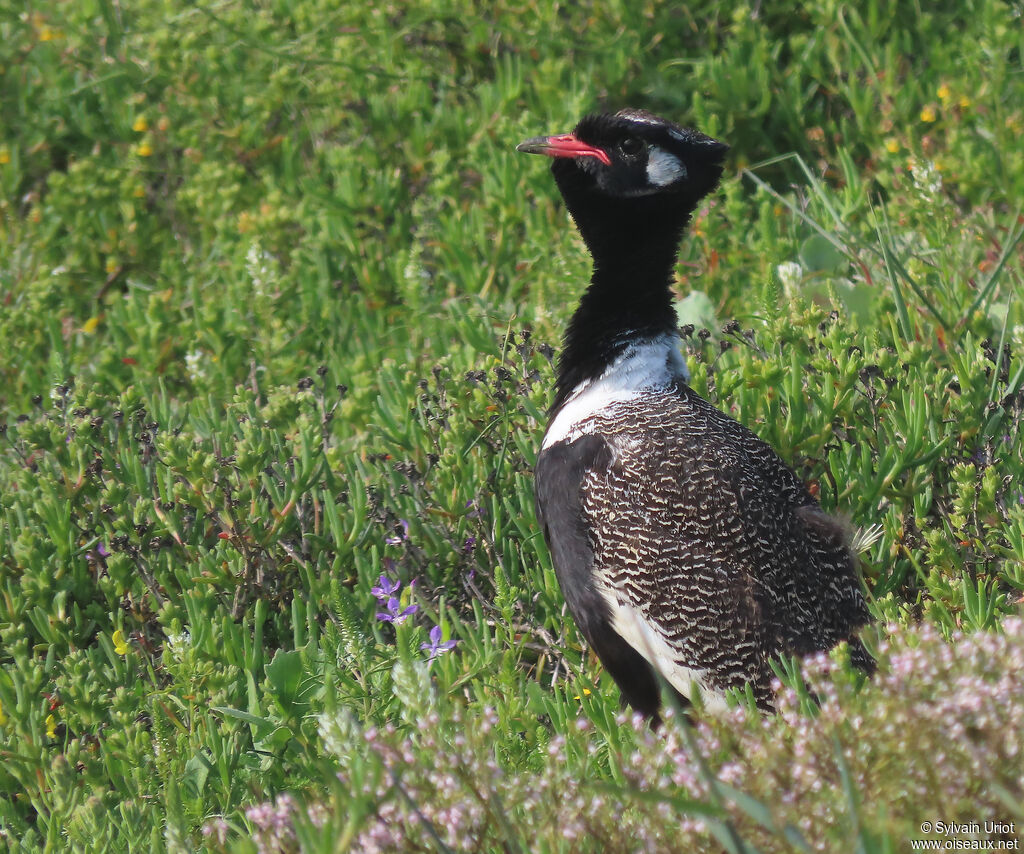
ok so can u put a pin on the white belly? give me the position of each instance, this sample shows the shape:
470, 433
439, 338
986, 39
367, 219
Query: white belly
631, 626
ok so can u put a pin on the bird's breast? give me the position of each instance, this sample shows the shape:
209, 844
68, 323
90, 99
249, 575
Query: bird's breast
645, 368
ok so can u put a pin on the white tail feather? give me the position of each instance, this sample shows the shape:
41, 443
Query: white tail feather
865, 538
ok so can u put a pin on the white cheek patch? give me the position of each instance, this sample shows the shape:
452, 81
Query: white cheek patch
663, 168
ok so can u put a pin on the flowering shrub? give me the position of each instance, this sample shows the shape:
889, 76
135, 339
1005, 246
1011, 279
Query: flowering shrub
937, 736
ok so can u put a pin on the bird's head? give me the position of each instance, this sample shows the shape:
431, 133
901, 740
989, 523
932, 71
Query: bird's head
631, 168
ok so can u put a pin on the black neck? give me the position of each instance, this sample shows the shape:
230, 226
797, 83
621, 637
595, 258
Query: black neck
630, 299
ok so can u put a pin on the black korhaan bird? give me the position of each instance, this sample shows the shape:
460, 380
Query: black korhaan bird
679, 538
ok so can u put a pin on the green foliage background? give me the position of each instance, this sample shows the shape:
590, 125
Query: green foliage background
274, 282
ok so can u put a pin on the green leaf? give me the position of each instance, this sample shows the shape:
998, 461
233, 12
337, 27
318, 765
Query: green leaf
819, 255
696, 308
285, 673
193, 779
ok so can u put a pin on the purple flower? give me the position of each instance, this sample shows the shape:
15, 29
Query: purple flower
435, 647
395, 614
386, 588
273, 823
469, 545
398, 539
217, 828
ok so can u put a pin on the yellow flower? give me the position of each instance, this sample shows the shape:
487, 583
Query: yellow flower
90, 325
964, 102
892, 145
120, 645
139, 192
51, 726
943, 92
928, 114
586, 693
144, 150
140, 125
112, 265
5, 156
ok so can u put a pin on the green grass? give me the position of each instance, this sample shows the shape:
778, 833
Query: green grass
279, 300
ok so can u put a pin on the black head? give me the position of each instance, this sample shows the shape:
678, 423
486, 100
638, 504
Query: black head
634, 153
631, 170
631, 181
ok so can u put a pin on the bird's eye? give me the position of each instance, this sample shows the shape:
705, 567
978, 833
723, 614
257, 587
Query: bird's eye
631, 146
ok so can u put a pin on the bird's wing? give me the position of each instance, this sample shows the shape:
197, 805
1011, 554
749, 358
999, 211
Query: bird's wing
558, 489
698, 531
663, 534
799, 554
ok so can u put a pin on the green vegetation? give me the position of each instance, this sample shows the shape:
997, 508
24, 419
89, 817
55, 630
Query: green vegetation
279, 301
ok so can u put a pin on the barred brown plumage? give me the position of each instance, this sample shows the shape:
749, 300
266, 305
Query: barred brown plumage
680, 540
